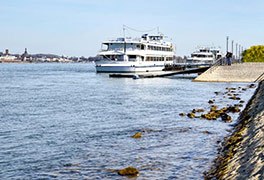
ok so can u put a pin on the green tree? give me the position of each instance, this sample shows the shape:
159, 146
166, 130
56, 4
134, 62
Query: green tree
254, 54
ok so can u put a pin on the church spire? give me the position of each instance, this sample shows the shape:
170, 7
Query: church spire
24, 55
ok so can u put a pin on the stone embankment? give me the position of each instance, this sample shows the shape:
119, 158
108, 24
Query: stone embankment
242, 154
243, 72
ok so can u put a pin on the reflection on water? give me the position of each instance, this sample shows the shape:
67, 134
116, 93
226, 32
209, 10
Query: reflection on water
65, 121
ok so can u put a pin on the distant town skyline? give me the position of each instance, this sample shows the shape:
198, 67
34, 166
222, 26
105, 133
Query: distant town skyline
77, 27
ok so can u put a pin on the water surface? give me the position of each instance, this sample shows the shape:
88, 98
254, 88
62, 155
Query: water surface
65, 121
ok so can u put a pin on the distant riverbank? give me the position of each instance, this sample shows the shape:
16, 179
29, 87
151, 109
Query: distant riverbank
12, 61
241, 156
26, 62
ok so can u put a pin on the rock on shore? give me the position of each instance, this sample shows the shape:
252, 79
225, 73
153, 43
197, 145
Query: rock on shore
242, 154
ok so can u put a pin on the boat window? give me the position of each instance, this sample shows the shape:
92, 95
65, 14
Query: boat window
104, 47
158, 58
119, 58
107, 57
132, 56
158, 48
144, 36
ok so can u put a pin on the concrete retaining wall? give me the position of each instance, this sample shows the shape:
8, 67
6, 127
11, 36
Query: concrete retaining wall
244, 72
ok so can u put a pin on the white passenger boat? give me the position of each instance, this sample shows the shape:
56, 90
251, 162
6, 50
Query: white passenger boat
205, 55
145, 54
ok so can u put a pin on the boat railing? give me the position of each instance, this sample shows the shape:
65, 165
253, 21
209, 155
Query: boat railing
222, 61
219, 62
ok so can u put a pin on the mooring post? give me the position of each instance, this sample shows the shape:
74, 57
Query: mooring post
239, 52
236, 51
227, 43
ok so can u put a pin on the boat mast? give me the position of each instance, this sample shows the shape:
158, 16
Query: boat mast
124, 32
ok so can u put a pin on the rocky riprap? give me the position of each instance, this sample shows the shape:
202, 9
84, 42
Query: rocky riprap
242, 153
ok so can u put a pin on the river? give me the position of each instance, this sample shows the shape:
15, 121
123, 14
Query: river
65, 121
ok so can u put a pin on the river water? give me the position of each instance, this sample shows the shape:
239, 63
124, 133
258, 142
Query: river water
65, 121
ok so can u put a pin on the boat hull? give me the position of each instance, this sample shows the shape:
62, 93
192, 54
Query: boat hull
128, 67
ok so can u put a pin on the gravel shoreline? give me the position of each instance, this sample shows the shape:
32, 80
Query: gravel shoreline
242, 154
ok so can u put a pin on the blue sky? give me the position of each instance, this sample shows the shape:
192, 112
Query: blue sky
77, 27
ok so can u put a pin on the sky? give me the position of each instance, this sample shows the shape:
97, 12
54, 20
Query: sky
78, 27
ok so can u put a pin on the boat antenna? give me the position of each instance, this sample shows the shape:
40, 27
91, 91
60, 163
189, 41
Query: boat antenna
124, 32
136, 30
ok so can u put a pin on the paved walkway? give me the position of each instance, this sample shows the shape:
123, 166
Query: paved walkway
244, 72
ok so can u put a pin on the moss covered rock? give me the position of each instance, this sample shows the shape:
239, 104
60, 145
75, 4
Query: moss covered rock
182, 114
234, 97
210, 116
252, 86
137, 135
213, 108
129, 171
234, 109
226, 118
191, 115
197, 110
211, 101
